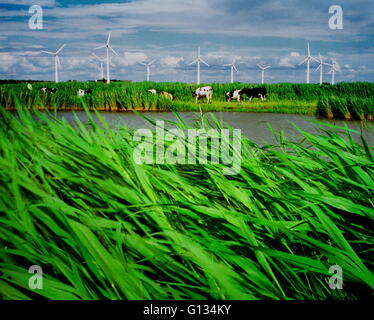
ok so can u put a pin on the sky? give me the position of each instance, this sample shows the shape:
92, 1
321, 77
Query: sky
268, 32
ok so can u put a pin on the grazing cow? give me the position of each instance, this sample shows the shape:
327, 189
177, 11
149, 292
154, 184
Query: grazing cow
204, 92
153, 91
167, 95
232, 95
81, 92
255, 93
49, 90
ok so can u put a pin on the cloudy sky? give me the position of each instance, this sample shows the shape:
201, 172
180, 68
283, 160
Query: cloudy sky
268, 32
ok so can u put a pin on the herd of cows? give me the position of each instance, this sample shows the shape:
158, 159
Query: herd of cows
207, 93
199, 93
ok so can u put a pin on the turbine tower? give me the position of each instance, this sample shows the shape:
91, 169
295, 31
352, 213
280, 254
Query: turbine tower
307, 60
101, 60
148, 65
263, 72
56, 59
332, 71
233, 68
320, 68
108, 47
198, 61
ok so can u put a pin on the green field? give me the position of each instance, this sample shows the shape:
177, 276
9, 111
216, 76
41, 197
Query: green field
73, 201
121, 96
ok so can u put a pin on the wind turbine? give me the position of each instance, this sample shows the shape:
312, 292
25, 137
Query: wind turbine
198, 61
320, 68
148, 65
108, 47
262, 72
307, 60
57, 60
332, 71
101, 60
233, 68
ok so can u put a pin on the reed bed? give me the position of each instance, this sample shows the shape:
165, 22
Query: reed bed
351, 108
73, 201
123, 96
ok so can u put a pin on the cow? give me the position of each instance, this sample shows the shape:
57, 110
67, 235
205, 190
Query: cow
81, 92
162, 94
232, 95
167, 95
49, 90
203, 92
254, 93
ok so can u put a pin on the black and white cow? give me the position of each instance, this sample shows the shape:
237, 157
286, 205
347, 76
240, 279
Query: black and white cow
254, 93
234, 95
82, 92
203, 92
49, 90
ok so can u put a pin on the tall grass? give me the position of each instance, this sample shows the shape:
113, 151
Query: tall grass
129, 96
346, 108
73, 201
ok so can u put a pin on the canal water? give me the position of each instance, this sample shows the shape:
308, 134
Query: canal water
255, 126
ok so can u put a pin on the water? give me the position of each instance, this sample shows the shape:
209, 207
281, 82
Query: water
253, 125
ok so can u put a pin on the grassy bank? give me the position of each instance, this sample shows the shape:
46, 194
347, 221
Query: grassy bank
73, 201
121, 96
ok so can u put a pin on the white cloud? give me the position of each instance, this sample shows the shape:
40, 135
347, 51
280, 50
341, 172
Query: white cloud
45, 3
295, 54
171, 62
132, 58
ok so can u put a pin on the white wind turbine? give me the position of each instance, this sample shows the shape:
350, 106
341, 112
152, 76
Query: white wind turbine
108, 47
101, 60
333, 70
263, 72
148, 65
56, 59
307, 60
320, 68
233, 68
198, 61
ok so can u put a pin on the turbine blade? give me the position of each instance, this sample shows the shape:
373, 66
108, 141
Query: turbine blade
100, 59
113, 50
308, 50
201, 60
59, 50
152, 62
110, 33
267, 67
319, 67
142, 63
235, 69
193, 62
48, 52
101, 47
305, 60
